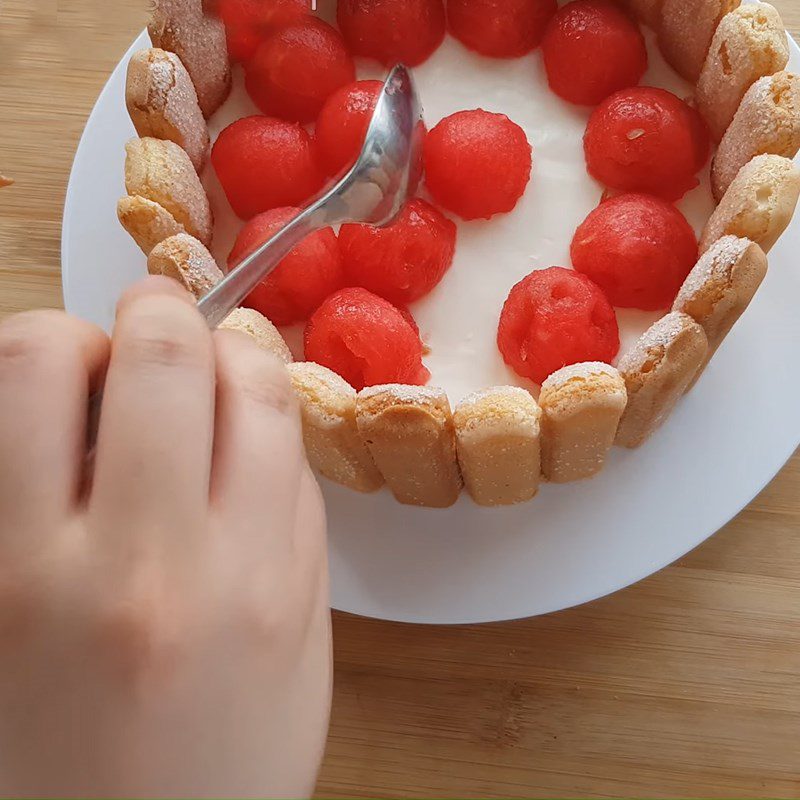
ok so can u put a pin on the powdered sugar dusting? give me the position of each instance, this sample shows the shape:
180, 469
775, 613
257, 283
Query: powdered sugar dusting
162, 71
509, 392
405, 393
658, 336
719, 259
586, 369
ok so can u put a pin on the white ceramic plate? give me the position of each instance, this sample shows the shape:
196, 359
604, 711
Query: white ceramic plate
573, 543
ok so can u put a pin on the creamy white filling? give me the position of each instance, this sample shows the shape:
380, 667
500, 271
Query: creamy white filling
458, 319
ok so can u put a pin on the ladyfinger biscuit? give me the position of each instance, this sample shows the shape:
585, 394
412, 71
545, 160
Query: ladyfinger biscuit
146, 221
758, 204
749, 43
261, 330
657, 370
409, 432
685, 32
162, 172
162, 103
187, 260
198, 39
721, 286
334, 446
497, 438
581, 408
768, 121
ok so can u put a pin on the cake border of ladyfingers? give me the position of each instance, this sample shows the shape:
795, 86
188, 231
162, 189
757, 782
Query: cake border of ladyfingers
651, 13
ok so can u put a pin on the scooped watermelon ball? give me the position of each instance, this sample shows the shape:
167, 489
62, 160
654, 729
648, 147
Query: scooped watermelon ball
265, 163
365, 339
555, 317
500, 28
342, 124
297, 68
477, 163
392, 31
592, 48
248, 21
646, 140
302, 280
402, 261
637, 248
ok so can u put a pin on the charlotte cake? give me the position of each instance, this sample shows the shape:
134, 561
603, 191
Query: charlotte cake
500, 439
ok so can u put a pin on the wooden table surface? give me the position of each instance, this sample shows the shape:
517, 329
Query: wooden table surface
685, 685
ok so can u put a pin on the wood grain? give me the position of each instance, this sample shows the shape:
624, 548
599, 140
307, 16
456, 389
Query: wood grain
685, 685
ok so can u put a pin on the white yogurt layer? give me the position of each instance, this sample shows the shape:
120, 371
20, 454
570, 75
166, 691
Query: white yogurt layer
458, 319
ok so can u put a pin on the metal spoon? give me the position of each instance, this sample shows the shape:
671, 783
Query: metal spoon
373, 191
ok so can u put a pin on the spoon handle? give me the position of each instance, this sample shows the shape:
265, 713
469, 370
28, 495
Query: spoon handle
231, 290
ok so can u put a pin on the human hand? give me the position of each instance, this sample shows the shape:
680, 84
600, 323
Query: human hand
164, 624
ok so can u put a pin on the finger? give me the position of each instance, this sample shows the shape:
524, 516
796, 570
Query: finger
49, 364
154, 284
154, 441
258, 448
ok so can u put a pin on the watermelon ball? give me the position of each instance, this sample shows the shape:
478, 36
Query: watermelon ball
402, 261
297, 68
365, 339
555, 317
500, 28
637, 248
592, 48
392, 31
248, 21
342, 124
646, 140
302, 280
265, 163
477, 163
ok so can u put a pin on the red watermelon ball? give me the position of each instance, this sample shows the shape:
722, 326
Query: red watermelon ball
646, 140
552, 318
302, 280
296, 69
402, 261
592, 48
637, 248
342, 124
392, 31
365, 339
500, 28
247, 22
265, 163
477, 163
